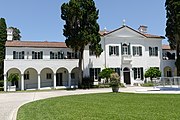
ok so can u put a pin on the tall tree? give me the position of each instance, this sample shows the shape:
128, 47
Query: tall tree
173, 28
3, 37
81, 27
16, 33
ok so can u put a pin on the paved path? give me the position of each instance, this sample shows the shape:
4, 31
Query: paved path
10, 102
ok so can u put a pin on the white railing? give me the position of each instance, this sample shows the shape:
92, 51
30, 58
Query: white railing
167, 82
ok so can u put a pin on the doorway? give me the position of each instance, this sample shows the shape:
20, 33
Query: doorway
59, 79
126, 73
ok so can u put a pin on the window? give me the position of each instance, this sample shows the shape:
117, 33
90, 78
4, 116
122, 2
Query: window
37, 55
114, 50
94, 72
138, 73
56, 55
125, 49
18, 55
26, 76
153, 51
137, 51
48, 76
72, 55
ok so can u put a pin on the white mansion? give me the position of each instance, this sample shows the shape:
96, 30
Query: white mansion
53, 64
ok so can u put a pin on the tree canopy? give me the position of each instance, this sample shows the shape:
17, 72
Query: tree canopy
106, 73
81, 27
153, 73
173, 28
16, 33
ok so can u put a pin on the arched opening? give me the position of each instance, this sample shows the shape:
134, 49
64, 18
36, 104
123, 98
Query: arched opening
17, 83
62, 76
75, 76
30, 78
167, 71
47, 77
126, 73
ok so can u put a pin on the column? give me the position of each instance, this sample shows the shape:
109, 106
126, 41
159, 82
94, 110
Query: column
39, 82
22, 81
5, 83
69, 80
54, 80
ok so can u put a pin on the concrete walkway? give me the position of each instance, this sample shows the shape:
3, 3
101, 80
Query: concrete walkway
10, 102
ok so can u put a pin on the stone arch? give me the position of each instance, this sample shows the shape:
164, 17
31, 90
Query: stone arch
74, 76
14, 71
62, 77
30, 78
47, 77
167, 71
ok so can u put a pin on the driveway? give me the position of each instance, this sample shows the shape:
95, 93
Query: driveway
10, 102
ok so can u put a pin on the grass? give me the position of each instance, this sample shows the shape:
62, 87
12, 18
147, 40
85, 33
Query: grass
108, 106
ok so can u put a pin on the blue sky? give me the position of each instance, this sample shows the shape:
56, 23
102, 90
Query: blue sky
39, 20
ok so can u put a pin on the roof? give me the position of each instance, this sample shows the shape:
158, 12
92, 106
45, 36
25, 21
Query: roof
44, 44
104, 33
166, 47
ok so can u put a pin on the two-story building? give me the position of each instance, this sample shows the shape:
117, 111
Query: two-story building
52, 64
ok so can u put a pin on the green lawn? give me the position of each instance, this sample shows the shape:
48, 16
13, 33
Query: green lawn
108, 106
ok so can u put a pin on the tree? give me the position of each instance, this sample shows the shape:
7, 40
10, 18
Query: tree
173, 28
106, 73
81, 27
16, 33
13, 78
152, 73
3, 37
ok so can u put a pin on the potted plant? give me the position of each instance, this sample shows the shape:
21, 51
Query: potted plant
13, 78
114, 82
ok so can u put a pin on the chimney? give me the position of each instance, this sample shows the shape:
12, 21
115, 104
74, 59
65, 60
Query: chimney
9, 34
142, 29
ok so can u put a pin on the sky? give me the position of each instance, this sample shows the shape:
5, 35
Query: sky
40, 20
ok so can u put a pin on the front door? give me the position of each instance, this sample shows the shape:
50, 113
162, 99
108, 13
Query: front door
59, 79
126, 73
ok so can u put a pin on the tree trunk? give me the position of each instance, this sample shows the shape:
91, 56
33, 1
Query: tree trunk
80, 66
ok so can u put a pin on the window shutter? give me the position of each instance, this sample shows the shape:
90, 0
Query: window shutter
121, 49
22, 54
110, 50
156, 51
33, 55
41, 55
14, 54
142, 74
140, 51
129, 49
117, 50
135, 73
150, 51
134, 51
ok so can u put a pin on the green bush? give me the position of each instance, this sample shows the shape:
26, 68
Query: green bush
1, 89
86, 83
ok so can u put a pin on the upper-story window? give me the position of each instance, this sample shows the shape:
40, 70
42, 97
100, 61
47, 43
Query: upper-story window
56, 55
37, 55
114, 50
72, 55
153, 51
168, 56
18, 55
125, 49
137, 51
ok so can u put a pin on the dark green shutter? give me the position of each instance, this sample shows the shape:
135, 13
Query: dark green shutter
142, 74
121, 49
140, 51
129, 49
135, 73
110, 50
134, 51
117, 50
156, 51
41, 55
150, 51
14, 54
22, 54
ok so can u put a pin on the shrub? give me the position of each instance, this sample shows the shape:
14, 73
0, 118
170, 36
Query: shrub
1, 83
148, 84
114, 80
